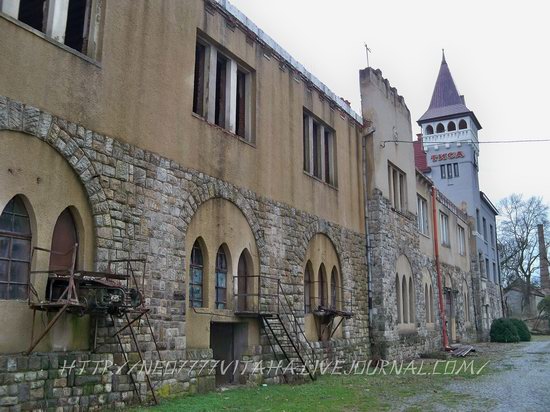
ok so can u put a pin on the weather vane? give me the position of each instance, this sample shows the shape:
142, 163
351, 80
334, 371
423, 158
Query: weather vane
368, 51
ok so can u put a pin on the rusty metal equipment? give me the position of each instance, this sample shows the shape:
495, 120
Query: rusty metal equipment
116, 294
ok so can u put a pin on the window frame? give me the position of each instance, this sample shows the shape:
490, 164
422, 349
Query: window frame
422, 218
461, 234
230, 105
319, 149
221, 270
198, 266
12, 235
444, 229
397, 188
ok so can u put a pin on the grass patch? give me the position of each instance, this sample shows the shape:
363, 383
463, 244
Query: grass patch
344, 392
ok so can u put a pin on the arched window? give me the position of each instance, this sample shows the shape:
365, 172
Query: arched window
322, 286
462, 124
308, 275
451, 126
334, 289
64, 243
432, 316
15, 250
196, 276
221, 279
427, 303
440, 128
243, 275
429, 130
405, 296
411, 302
398, 297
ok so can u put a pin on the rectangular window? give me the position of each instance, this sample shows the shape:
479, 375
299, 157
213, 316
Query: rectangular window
443, 172
478, 224
492, 233
66, 21
222, 92
455, 168
397, 188
444, 229
495, 274
487, 269
461, 240
198, 90
422, 215
449, 171
319, 149
485, 229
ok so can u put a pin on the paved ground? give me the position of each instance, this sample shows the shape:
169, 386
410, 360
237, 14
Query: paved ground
521, 382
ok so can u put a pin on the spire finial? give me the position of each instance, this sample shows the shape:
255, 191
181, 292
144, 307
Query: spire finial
443, 58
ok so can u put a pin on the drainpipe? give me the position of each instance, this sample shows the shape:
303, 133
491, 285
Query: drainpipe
438, 270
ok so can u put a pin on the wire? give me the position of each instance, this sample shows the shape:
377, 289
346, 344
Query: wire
466, 142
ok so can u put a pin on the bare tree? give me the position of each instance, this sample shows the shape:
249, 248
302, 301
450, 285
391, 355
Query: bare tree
518, 243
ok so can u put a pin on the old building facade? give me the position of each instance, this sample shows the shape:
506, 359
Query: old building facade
180, 134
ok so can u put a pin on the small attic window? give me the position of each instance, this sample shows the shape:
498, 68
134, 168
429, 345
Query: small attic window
429, 130
451, 127
462, 125
440, 128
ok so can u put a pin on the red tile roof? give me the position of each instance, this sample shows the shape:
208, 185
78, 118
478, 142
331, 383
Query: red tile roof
420, 160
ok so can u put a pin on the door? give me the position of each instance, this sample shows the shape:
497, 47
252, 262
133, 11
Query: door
223, 349
64, 242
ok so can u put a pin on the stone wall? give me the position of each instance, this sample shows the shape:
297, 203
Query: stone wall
142, 204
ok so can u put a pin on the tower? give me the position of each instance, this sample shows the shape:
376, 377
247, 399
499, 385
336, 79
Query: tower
450, 140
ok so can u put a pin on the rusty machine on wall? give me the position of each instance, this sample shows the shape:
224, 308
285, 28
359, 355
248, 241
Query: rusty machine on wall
116, 293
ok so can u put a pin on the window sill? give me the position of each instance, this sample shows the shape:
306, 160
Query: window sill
321, 180
224, 130
446, 245
50, 40
406, 329
424, 234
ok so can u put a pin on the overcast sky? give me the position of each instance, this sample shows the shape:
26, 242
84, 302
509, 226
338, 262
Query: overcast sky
497, 52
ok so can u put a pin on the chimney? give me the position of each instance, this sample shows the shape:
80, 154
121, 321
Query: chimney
544, 276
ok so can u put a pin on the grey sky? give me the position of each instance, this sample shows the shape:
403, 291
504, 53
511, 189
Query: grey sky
498, 54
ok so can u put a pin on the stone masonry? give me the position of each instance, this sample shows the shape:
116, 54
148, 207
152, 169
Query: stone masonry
142, 204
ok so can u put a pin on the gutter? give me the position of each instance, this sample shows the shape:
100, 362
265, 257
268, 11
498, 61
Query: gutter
438, 270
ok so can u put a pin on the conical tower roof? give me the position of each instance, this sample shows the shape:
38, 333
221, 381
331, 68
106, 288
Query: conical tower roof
446, 102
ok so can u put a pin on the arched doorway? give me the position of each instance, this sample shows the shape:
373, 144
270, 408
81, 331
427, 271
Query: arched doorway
244, 300
64, 246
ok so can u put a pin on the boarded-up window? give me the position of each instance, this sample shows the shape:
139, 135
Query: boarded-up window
64, 242
15, 250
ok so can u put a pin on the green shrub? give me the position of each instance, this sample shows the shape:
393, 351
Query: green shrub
523, 331
504, 330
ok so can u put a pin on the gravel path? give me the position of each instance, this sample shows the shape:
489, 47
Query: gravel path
521, 382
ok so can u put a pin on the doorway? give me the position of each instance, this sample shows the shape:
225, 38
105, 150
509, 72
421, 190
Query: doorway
228, 342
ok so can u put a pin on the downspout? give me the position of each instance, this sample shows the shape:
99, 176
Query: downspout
367, 234
438, 270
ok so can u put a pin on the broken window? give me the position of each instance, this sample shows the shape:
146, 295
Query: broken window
221, 279
319, 149
397, 181
196, 275
198, 91
32, 12
66, 21
15, 250
77, 24
222, 90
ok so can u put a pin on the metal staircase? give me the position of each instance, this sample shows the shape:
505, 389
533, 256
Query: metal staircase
287, 339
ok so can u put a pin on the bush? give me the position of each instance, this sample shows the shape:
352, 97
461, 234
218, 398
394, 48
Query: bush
523, 331
504, 330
